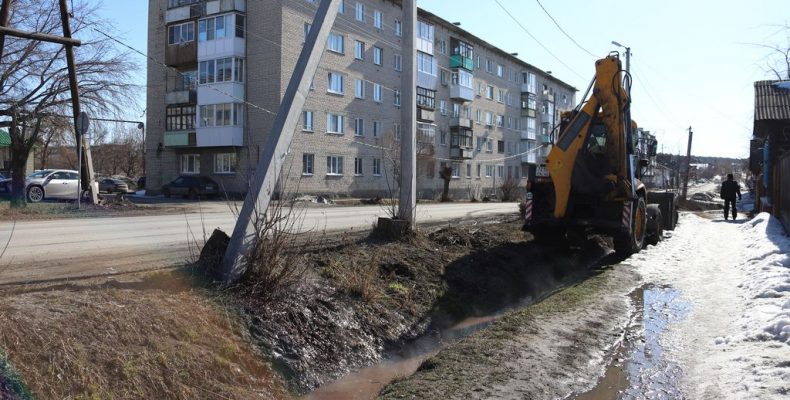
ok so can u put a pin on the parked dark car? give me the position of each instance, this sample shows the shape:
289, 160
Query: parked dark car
192, 187
113, 185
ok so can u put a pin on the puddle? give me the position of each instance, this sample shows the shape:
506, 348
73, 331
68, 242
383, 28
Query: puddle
639, 368
366, 383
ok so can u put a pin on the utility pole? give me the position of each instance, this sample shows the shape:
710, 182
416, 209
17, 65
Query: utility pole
407, 209
688, 166
264, 182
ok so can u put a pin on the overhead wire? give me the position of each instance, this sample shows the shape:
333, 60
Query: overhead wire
563, 30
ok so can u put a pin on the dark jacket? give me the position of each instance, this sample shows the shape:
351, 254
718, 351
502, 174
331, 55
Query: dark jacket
730, 189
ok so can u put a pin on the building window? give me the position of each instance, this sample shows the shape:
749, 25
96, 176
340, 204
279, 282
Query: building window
456, 170
443, 77
377, 167
240, 30
500, 95
396, 131
227, 114
490, 145
469, 170
190, 163
308, 161
225, 163
456, 110
424, 30
228, 69
377, 93
490, 92
179, 118
398, 28
499, 121
360, 12
214, 27
478, 170
397, 98
500, 146
306, 30
480, 143
426, 98
442, 137
181, 33
359, 126
377, 19
357, 167
479, 116
500, 70
443, 107
441, 44
342, 9
426, 63
334, 123
359, 50
397, 62
336, 43
377, 126
489, 171
359, 89
489, 119
489, 66
307, 121
378, 55
334, 165
335, 83
500, 169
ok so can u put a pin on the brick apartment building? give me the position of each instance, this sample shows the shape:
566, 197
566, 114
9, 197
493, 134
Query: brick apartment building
480, 110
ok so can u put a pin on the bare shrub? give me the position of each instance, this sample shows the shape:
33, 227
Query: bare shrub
509, 189
473, 191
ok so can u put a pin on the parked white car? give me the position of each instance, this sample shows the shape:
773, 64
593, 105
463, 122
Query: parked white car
52, 184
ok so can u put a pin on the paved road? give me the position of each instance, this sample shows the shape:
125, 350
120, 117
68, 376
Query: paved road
57, 249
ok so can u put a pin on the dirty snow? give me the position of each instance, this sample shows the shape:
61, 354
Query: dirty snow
735, 341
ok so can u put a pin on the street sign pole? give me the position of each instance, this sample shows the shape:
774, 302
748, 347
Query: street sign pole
82, 125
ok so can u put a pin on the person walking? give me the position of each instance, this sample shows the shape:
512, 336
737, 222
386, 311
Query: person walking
729, 189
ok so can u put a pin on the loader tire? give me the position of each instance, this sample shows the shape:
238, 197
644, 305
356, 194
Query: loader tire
627, 243
655, 229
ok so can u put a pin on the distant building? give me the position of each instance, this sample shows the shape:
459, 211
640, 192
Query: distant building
770, 147
5, 156
480, 110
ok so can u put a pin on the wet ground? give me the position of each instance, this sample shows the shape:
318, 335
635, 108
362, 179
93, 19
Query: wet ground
639, 367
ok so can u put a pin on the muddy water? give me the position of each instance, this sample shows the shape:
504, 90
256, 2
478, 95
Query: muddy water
639, 368
366, 383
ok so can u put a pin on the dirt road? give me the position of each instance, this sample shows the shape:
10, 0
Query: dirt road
57, 249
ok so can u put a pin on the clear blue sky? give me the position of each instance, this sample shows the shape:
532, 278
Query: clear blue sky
694, 61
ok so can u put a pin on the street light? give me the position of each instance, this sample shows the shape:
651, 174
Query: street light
627, 56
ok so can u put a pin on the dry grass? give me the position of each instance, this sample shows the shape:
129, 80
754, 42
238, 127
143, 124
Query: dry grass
147, 339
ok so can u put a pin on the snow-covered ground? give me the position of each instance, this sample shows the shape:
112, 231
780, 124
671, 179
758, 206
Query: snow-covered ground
735, 340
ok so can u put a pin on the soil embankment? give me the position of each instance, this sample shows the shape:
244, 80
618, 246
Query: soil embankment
367, 299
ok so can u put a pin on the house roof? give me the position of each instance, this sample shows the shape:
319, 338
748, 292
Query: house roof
5, 138
771, 100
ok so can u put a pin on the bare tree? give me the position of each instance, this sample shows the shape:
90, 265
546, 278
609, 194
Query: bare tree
34, 83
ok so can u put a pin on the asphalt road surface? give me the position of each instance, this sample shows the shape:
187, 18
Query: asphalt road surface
69, 248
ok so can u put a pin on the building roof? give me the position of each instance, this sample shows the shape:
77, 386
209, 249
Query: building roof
5, 138
771, 100
461, 32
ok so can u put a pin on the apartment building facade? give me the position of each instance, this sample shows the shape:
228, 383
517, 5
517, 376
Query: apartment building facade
481, 112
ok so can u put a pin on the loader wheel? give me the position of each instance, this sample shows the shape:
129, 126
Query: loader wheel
655, 230
627, 243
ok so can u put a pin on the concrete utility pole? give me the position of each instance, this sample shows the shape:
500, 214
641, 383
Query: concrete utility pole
270, 165
688, 166
407, 206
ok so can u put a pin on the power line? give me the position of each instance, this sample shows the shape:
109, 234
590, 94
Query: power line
563, 30
536, 40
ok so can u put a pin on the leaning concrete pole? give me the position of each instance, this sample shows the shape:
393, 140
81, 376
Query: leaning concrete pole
408, 156
271, 162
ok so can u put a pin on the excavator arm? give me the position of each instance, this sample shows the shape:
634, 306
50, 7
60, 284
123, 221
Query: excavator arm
608, 105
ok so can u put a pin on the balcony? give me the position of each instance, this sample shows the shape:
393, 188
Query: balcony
459, 61
529, 158
426, 133
180, 139
221, 6
528, 135
463, 93
220, 136
528, 112
459, 153
549, 96
527, 88
427, 80
425, 114
184, 10
543, 139
184, 96
182, 54
460, 122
